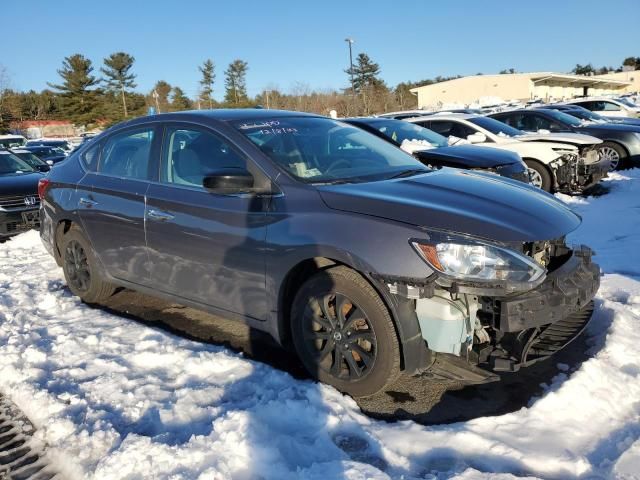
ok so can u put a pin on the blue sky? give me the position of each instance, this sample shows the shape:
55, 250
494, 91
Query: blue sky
288, 42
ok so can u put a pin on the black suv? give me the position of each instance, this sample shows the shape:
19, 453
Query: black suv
19, 202
325, 236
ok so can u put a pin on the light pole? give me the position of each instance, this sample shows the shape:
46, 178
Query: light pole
349, 40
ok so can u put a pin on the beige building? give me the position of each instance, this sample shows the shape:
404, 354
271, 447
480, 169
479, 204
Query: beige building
518, 86
632, 77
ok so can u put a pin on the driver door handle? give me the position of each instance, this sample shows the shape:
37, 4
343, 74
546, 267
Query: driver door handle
159, 215
87, 202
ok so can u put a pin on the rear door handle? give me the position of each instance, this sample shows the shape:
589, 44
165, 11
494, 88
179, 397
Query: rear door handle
88, 202
159, 215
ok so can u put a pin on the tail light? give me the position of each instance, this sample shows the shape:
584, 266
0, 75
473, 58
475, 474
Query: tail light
43, 184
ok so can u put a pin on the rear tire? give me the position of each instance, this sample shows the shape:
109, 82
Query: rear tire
614, 153
540, 176
81, 269
343, 333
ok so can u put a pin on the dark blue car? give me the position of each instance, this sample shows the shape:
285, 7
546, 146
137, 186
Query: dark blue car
48, 154
327, 237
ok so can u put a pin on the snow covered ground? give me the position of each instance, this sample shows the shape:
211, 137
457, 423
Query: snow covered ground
117, 399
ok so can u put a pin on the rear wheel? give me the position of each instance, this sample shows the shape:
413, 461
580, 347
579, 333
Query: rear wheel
614, 153
81, 268
539, 175
343, 333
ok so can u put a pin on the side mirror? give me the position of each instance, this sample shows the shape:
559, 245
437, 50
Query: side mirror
228, 180
477, 138
44, 168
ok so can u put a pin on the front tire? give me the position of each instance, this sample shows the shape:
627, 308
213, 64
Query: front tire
81, 270
540, 176
343, 333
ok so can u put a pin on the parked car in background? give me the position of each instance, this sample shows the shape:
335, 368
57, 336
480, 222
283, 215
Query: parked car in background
48, 154
621, 143
11, 141
553, 164
433, 149
328, 238
19, 203
608, 107
64, 145
589, 116
32, 160
404, 114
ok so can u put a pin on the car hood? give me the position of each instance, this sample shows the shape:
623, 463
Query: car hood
467, 156
572, 138
20, 184
477, 204
603, 128
624, 121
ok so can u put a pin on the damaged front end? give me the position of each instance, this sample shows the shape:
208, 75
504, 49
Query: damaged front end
520, 304
577, 171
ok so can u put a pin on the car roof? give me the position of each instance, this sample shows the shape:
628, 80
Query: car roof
370, 120
222, 114
448, 116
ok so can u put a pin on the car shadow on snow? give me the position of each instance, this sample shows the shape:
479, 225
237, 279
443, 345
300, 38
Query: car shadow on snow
410, 398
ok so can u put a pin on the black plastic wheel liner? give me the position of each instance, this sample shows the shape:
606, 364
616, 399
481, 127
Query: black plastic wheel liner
20, 458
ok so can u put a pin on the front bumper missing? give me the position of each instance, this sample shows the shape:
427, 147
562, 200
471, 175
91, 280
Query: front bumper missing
533, 326
566, 290
575, 175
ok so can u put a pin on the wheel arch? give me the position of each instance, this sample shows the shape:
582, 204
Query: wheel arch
616, 142
414, 355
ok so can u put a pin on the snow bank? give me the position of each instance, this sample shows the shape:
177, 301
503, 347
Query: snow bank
114, 398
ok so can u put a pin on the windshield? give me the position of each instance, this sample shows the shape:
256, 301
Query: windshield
585, 115
564, 118
30, 159
10, 164
627, 102
400, 132
496, 127
10, 142
321, 150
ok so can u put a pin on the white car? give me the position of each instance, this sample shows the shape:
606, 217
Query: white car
557, 162
608, 107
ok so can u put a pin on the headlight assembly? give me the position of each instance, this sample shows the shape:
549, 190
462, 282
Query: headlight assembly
479, 262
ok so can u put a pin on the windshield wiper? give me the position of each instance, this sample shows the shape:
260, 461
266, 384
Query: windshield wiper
409, 173
337, 181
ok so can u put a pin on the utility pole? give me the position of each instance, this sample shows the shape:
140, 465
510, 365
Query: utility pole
350, 41
156, 96
266, 93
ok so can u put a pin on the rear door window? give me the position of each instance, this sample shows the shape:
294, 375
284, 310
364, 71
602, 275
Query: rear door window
127, 154
90, 158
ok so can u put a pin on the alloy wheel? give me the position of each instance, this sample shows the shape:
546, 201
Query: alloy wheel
535, 178
608, 153
340, 336
77, 266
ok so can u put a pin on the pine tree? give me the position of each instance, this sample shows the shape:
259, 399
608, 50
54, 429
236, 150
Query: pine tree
179, 100
235, 83
206, 83
77, 80
118, 76
365, 73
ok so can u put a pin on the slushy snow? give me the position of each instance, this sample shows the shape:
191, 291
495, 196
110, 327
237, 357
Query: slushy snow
113, 398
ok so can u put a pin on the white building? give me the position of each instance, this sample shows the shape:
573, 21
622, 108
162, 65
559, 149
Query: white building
519, 86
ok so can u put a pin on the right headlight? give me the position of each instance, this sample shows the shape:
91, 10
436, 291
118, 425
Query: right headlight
480, 262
